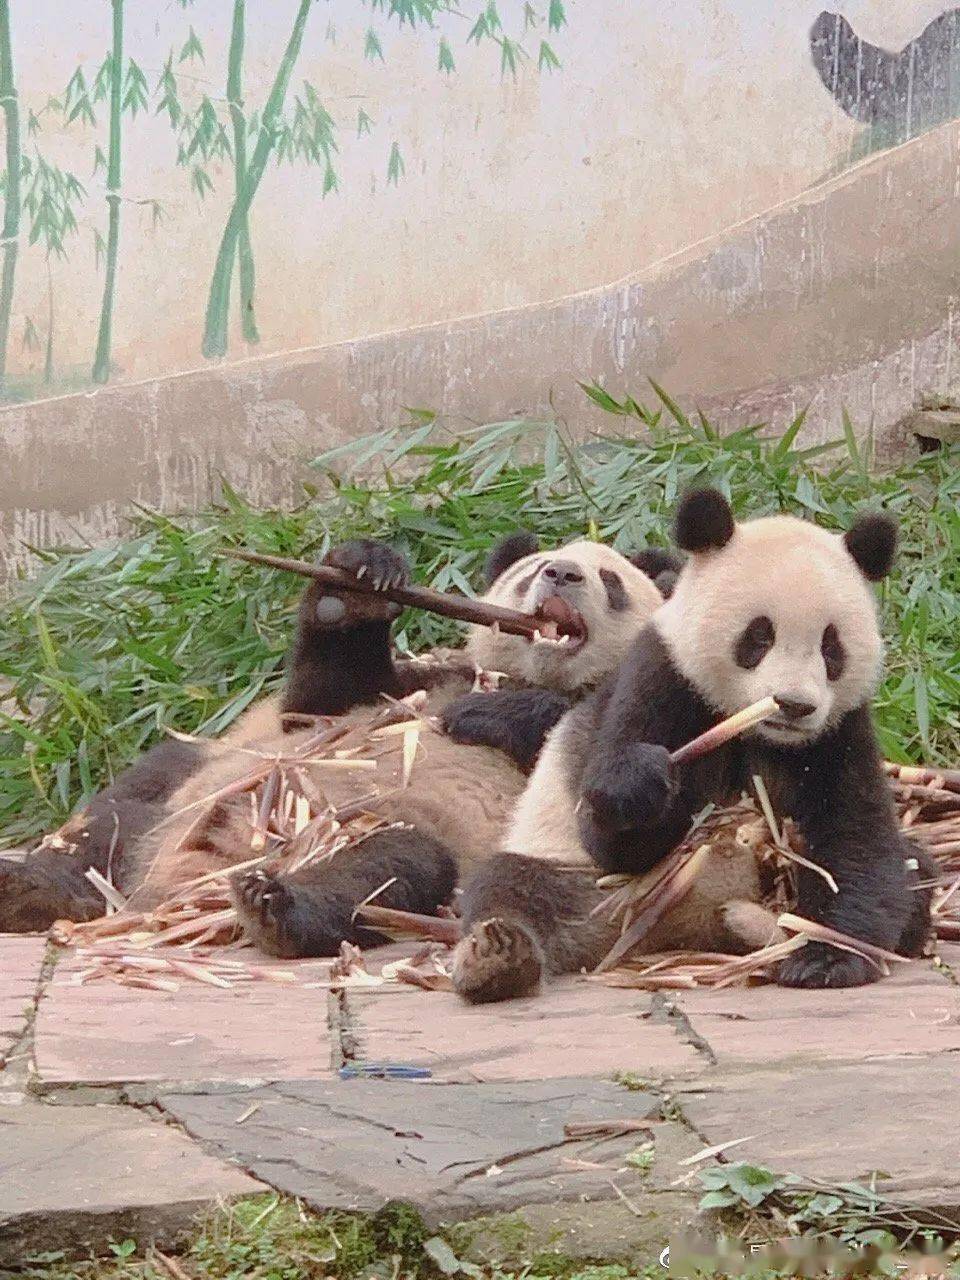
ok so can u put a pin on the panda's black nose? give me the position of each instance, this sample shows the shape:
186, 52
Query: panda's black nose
794, 710
563, 572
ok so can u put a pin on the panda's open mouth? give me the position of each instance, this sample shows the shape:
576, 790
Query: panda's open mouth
563, 627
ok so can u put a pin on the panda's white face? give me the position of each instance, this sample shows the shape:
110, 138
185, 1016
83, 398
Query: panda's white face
593, 602
781, 610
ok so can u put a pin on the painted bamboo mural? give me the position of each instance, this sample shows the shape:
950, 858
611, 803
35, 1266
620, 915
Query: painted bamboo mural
101, 360
11, 184
231, 124
218, 302
248, 319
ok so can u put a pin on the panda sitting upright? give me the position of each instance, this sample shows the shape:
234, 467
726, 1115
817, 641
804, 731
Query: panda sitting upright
144, 831
775, 606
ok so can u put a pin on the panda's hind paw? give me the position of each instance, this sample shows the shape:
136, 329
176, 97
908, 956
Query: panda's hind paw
820, 965
263, 903
497, 960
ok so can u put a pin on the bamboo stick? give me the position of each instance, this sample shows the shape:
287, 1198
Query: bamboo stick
461, 608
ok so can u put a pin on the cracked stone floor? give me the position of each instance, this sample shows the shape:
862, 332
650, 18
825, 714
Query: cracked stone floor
124, 1112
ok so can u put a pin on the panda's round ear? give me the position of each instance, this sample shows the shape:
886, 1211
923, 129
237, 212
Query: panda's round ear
508, 551
872, 541
704, 521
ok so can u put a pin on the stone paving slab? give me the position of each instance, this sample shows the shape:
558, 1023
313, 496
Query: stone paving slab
21, 959
101, 1033
453, 1150
843, 1123
74, 1177
574, 1027
915, 1011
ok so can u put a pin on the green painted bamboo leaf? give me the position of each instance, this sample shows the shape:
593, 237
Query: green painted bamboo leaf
557, 16
445, 60
192, 49
548, 60
330, 182
372, 48
510, 54
530, 17
492, 17
479, 30
364, 123
395, 166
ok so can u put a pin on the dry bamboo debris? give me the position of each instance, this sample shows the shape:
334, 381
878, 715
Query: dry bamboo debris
291, 826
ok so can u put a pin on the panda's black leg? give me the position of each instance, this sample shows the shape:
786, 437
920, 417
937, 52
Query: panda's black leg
341, 657
523, 918
842, 804
44, 887
310, 912
515, 721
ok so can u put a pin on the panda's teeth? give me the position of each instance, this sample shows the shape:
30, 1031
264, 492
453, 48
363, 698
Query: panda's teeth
563, 640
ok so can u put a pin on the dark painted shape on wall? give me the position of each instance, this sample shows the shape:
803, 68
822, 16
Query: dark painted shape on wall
897, 95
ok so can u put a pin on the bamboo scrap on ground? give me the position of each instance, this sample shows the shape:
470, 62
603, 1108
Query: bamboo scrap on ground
292, 826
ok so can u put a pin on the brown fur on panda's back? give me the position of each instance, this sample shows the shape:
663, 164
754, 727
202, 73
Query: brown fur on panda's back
459, 794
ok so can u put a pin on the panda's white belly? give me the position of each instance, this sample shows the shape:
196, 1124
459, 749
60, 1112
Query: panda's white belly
544, 822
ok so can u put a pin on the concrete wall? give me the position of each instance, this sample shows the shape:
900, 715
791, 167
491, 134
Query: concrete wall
756, 203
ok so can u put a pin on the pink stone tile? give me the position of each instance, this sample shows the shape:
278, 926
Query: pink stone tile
21, 958
102, 1033
575, 1028
915, 1011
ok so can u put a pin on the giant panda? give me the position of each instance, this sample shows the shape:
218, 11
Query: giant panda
773, 606
593, 601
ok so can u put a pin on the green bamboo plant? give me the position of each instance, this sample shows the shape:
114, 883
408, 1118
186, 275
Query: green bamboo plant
11, 184
121, 84
301, 131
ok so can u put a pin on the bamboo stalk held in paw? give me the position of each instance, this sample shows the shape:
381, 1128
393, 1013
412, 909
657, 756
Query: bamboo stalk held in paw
461, 608
725, 730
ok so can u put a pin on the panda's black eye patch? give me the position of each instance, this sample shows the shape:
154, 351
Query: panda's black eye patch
616, 591
756, 640
834, 654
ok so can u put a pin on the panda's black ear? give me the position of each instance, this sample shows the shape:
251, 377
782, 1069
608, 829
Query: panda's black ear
703, 521
872, 541
508, 551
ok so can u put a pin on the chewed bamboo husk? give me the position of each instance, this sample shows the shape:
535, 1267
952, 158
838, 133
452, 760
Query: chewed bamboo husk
634, 901
292, 824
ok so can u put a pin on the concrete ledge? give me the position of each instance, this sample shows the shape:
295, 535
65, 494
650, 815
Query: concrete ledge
844, 296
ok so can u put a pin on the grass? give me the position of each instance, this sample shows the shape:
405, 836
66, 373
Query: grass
272, 1238
108, 647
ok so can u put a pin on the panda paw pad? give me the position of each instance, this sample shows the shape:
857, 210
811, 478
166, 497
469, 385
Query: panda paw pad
497, 960
819, 965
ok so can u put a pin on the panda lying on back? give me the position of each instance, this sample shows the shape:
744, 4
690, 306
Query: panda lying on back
143, 833
774, 606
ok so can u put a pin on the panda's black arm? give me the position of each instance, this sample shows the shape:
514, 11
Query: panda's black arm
515, 721
342, 657
838, 796
636, 806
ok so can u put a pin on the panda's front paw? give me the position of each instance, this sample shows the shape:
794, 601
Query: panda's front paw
820, 965
497, 960
632, 791
263, 905
368, 561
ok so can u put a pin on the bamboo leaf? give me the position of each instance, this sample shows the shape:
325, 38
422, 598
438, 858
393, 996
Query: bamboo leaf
445, 57
548, 60
364, 123
192, 49
372, 48
395, 166
556, 17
